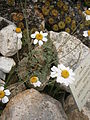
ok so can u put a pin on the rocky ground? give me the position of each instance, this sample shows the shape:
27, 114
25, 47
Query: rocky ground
65, 23
52, 12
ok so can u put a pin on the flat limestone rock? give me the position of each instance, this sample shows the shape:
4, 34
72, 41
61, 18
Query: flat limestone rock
31, 105
6, 64
71, 51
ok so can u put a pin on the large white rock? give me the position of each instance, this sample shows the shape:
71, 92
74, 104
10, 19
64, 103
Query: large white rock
6, 64
71, 51
9, 42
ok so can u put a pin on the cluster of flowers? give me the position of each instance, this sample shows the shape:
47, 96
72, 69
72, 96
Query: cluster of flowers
4, 93
64, 75
87, 14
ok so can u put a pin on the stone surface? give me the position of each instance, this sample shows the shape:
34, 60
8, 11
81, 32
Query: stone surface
86, 108
6, 64
31, 105
9, 43
2, 83
9, 22
71, 51
16, 88
72, 110
2, 75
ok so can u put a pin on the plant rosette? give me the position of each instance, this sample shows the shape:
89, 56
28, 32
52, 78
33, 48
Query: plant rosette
64, 75
87, 14
86, 33
39, 37
4, 94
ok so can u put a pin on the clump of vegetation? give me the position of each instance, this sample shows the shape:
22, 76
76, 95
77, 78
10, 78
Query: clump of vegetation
38, 63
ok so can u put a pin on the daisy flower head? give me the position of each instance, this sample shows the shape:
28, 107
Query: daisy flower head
4, 94
64, 75
35, 81
39, 37
87, 14
86, 33
18, 33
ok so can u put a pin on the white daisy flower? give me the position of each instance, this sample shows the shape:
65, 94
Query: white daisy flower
4, 94
18, 33
64, 75
39, 37
87, 14
86, 33
35, 81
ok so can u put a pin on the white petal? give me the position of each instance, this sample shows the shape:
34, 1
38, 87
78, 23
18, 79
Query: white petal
59, 80
5, 99
19, 35
53, 74
88, 8
61, 67
7, 92
71, 72
44, 34
85, 33
40, 43
67, 68
54, 69
37, 84
2, 88
35, 41
36, 33
44, 39
66, 83
33, 35
88, 17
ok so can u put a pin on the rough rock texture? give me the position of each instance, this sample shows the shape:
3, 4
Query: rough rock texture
2, 75
2, 83
31, 105
71, 51
86, 108
9, 22
9, 43
6, 64
16, 88
72, 110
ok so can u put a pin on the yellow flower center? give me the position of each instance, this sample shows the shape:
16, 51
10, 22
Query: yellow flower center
88, 32
87, 12
39, 36
65, 74
33, 79
2, 94
18, 30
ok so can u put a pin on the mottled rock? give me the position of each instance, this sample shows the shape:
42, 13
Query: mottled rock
31, 105
72, 111
71, 51
9, 42
2, 75
86, 108
6, 64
